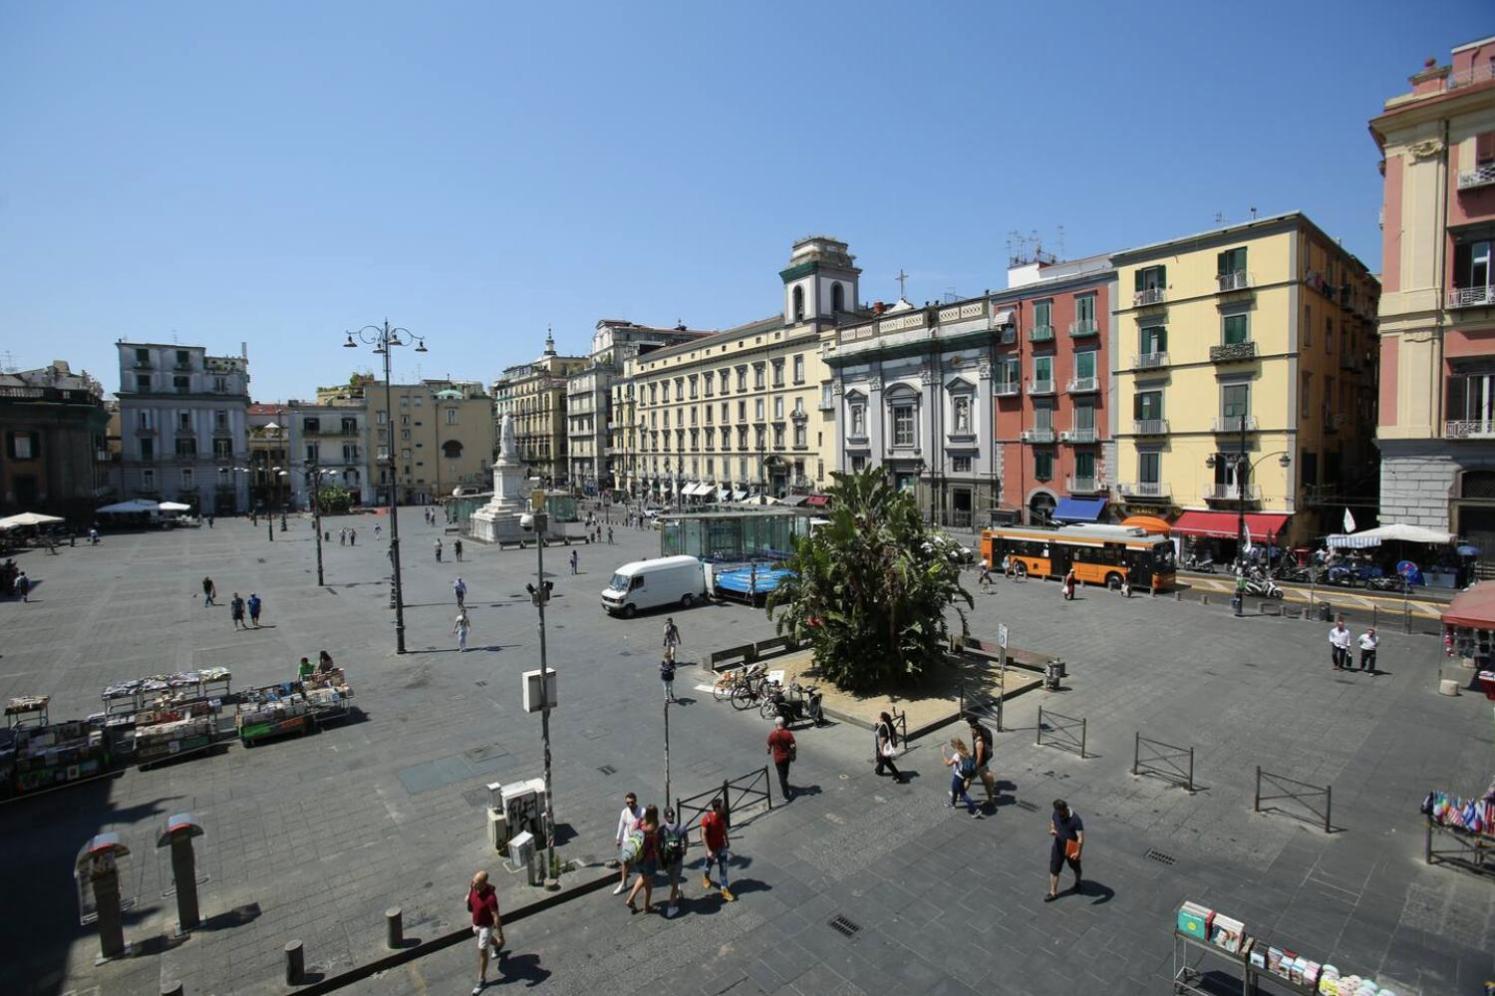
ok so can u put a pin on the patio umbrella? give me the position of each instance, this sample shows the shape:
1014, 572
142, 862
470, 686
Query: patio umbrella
1467, 550
133, 505
174, 506
28, 519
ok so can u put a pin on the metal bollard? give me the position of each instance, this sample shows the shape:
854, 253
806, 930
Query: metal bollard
295, 963
171, 989
394, 930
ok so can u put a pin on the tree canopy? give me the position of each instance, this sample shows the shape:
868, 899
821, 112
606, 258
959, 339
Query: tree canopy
870, 586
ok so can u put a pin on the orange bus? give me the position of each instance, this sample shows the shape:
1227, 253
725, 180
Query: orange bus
1099, 554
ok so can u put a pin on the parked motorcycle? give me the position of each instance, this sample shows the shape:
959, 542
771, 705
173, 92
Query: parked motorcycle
1352, 575
1263, 587
1203, 564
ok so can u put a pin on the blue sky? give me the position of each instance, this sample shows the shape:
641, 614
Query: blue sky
277, 173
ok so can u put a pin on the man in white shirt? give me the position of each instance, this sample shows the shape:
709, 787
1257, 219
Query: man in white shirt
628, 821
1368, 643
1339, 643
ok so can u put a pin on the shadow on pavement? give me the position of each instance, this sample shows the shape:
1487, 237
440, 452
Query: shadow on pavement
525, 968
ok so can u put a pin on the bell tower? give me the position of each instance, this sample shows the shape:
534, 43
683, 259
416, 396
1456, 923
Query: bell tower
820, 282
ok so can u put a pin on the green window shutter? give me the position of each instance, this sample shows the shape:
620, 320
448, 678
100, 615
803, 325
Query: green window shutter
1138, 279
1222, 263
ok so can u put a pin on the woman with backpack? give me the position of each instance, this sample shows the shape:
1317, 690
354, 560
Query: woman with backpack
647, 861
962, 769
673, 842
887, 747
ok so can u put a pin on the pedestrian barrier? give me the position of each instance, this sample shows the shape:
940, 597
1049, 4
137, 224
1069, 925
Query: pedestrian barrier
1166, 761
722, 660
1061, 731
1470, 851
735, 793
1299, 792
772, 648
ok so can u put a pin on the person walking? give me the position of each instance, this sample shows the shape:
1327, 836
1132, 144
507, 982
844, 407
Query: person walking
887, 747
462, 628
254, 609
671, 634
1070, 580
459, 588
352, 537
673, 843
487, 924
342, 536
648, 862
236, 610
981, 743
23, 586
438, 549
378, 531
667, 673
209, 592
1339, 645
628, 822
210, 522
716, 840
457, 550
575, 561
782, 748
609, 535
984, 580
1369, 641
962, 769
1068, 831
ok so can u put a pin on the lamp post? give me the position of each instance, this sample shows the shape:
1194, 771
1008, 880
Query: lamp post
540, 594
276, 473
1245, 469
315, 475
384, 338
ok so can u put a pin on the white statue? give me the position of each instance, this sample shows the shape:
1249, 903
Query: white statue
507, 446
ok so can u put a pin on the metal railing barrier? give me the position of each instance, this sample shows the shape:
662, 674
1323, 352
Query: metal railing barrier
1299, 792
1061, 731
1166, 761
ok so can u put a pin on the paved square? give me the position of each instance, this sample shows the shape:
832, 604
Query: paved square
313, 838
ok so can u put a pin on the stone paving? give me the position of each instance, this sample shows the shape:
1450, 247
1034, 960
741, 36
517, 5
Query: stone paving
313, 838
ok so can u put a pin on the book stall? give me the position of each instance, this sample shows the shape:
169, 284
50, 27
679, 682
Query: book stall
27, 710
138, 694
168, 733
34, 758
1200, 931
1461, 831
329, 695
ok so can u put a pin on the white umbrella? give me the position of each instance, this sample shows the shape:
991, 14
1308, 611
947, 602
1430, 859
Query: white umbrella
174, 506
28, 519
133, 505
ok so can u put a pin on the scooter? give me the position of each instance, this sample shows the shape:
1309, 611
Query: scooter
1194, 562
1263, 587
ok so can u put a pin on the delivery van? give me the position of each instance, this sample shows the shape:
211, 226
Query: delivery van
651, 584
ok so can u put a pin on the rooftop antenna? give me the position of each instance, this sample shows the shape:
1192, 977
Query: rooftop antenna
1059, 249
7, 362
1253, 214
902, 279
951, 296
1219, 217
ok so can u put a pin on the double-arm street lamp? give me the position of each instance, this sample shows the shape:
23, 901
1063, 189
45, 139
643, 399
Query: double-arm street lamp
1245, 470
384, 338
314, 477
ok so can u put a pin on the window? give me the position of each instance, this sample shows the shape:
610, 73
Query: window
799, 435
1043, 370
142, 357
220, 384
666, 418
1149, 467
142, 382
827, 396
1009, 372
1043, 414
707, 378
858, 420
1231, 262
147, 449
220, 420
726, 412
778, 437
960, 464
184, 421
451, 449
960, 413
778, 373
693, 411
404, 419
799, 407
858, 464
1154, 340
742, 378
1042, 313
1085, 309
680, 388
1307, 326
183, 385
1085, 416
1151, 278
838, 298
778, 407
1471, 400
1085, 365
799, 360
1147, 406
1235, 400
313, 452
1305, 395
383, 416
25, 445
758, 374
1234, 329
188, 479
223, 448
1085, 465
1310, 468
903, 425
1328, 334
742, 411
148, 479
664, 391
1043, 464
183, 359
799, 304
451, 419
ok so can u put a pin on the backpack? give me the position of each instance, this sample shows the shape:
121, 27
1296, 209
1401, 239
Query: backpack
633, 846
675, 843
967, 766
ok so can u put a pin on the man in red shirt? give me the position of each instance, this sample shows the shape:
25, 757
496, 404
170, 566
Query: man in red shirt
482, 901
714, 839
781, 746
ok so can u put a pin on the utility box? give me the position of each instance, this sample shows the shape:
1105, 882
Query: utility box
533, 699
498, 829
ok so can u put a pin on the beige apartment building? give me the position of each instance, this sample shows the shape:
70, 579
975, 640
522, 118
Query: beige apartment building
745, 411
535, 395
441, 434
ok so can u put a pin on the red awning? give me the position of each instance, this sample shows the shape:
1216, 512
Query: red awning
1264, 527
1474, 608
819, 501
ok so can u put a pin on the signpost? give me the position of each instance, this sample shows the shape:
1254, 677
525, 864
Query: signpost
1001, 671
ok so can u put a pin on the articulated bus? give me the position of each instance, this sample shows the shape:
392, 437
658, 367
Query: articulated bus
1099, 554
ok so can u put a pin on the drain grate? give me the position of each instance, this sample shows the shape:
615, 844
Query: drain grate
1027, 806
844, 926
481, 684
608, 769
1159, 857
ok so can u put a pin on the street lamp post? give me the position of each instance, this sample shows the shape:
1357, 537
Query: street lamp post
1245, 469
383, 338
316, 475
540, 593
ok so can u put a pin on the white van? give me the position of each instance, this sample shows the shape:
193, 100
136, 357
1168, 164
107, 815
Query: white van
649, 584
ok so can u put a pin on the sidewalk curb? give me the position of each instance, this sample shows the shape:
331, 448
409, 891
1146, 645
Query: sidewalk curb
396, 958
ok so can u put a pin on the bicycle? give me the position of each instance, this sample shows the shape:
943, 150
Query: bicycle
753, 688
729, 681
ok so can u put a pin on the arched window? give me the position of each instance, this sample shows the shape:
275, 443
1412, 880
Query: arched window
799, 304
451, 449
838, 298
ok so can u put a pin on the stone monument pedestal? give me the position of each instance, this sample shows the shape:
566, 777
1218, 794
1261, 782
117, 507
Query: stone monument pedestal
498, 521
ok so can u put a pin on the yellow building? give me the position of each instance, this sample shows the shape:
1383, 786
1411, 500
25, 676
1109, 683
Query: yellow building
1244, 382
443, 439
744, 411
535, 395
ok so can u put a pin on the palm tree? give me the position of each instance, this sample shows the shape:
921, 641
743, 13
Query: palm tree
868, 589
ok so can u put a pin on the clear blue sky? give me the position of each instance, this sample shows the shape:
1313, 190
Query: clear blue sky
278, 172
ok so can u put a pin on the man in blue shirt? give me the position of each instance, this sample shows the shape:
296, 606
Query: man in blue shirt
254, 609
1069, 840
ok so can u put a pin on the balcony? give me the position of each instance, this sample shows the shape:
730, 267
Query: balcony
1471, 297
1150, 296
1041, 333
1083, 385
1469, 430
1038, 435
1083, 328
144, 365
1079, 436
1232, 423
1007, 389
1232, 493
1482, 175
1149, 361
1233, 352
1233, 281
1084, 485
1145, 489
1040, 387
1150, 427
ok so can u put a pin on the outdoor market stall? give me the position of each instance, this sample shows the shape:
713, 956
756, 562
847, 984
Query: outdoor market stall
1469, 630
1439, 569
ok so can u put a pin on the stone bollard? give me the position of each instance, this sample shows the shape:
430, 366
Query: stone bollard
394, 930
1447, 686
295, 963
171, 989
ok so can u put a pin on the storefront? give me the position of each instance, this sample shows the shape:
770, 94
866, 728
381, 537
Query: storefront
1219, 532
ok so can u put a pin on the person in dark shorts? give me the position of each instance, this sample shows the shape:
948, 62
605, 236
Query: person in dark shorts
1068, 831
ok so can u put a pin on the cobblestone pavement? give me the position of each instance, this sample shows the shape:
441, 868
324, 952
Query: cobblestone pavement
313, 838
